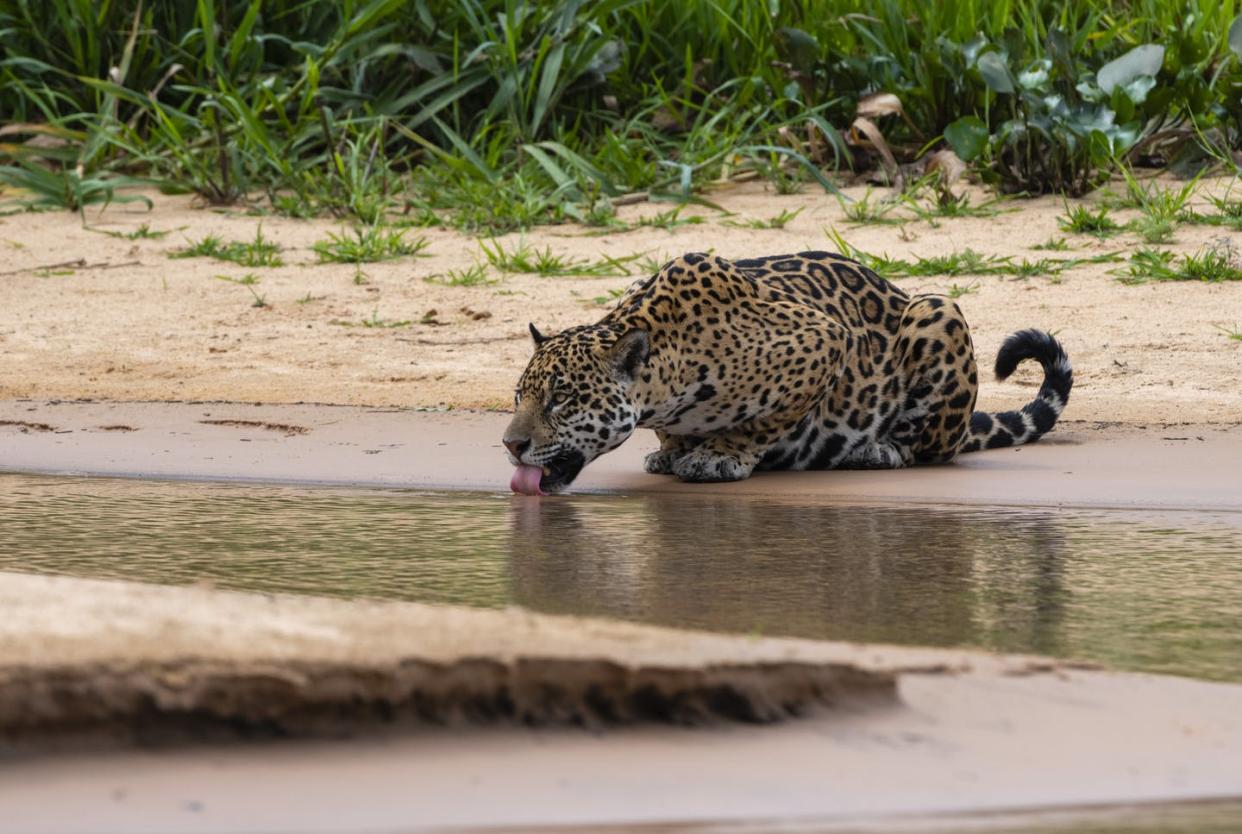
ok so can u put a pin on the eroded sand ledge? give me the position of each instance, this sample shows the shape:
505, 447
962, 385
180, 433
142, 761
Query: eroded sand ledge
83, 654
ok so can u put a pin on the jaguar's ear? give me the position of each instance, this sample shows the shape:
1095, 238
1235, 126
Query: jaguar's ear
630, 353
536, 335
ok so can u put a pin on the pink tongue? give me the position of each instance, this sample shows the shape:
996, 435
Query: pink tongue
526, 480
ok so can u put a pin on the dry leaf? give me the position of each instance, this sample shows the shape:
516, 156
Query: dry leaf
948, 164
876, 139
879, 104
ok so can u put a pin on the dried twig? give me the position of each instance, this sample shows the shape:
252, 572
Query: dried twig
79, 263
456, 342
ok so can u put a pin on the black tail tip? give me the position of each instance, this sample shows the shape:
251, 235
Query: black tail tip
1032, 344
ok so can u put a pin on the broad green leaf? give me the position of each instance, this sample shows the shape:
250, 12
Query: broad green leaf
968, 136
1138, 89
995, 73
972, 48
799, 49
1141, 60
1235, 36
1035, 78
1060, 52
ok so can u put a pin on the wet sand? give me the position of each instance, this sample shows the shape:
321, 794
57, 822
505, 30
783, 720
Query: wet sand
966, 732
1167, 467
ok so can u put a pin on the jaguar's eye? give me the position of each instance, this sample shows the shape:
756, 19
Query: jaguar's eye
517, 398
559, 398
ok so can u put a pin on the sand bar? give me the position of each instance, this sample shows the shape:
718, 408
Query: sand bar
1079, 465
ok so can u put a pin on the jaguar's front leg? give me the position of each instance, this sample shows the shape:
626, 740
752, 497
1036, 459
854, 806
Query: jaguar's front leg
732, 455
672, 448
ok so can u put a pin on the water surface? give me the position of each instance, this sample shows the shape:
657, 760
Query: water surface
1138, 591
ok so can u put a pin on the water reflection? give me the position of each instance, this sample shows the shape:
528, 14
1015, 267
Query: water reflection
1160, 594
777, 568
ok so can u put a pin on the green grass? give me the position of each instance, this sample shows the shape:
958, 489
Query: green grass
143, 232
928, 200
472, 276
865, 212
1082, 220
1153, 230
963, 262
952, 209
368, 244
1212, 264
249, 281
611, 296
651, 264
670, 219
259, 252
778, 221
1226, 207
495, 115
524, 258
1233, 332
1228, 214
959, 290
1053, 244
1162, 207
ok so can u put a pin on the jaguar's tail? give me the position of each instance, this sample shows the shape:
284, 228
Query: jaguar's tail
1036, 418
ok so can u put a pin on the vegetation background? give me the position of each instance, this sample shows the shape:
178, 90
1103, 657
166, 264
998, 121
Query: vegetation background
492, 115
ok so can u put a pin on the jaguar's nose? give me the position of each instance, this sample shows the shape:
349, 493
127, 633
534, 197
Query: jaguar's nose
517, 446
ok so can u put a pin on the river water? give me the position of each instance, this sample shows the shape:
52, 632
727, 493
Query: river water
1137, 591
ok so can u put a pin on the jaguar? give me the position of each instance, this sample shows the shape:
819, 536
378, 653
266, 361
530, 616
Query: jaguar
806, 361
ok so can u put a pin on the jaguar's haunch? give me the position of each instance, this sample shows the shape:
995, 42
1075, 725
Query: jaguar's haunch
807, 361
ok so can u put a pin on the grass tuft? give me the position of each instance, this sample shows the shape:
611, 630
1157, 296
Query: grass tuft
964, 262
1053, 244
473, 276
368, 245
143, 232
1233, 332
778, 221
525, 258
249, 281
1082, 220
959, 290
1213, 264
259, 252
864, 212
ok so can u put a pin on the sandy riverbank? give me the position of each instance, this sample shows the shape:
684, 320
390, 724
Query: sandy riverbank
1152, 425
1177, 467
130, 323
950, 731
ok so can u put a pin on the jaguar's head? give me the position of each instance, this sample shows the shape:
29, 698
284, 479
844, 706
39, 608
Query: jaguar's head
573, 403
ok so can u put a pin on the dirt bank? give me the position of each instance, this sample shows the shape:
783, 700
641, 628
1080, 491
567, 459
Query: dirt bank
86, 314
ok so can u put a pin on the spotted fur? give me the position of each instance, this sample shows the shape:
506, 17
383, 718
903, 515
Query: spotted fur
807, 361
